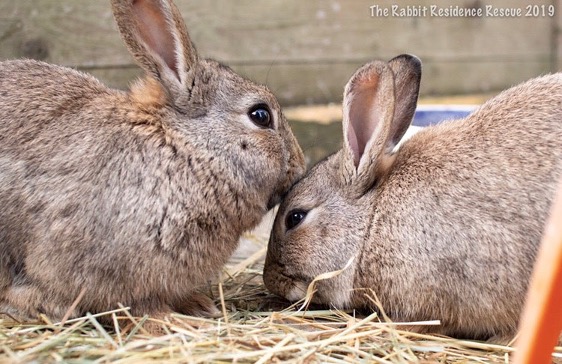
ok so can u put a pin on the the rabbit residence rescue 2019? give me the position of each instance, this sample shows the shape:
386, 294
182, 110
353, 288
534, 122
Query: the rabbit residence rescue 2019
455, 11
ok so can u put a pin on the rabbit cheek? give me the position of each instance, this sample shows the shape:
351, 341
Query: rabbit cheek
336, 291
271, 179
284, 162
292, 280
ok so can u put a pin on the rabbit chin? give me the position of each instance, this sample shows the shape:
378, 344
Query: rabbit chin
338, 298
297, 292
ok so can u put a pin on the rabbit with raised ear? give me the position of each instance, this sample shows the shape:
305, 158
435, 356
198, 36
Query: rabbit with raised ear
134, 197
445, 227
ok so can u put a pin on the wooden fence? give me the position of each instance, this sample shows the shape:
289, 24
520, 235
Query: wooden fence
306, 50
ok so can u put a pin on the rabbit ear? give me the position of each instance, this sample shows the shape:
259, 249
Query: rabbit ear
407, 77
378, 106
156, 35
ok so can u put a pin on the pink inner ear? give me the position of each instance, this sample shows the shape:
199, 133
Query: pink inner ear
154, 31
363, 118
353, 144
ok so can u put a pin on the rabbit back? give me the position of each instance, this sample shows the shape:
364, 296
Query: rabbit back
79, 184
478, 192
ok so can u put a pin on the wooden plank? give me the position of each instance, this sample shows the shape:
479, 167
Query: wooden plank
324, 83
82, 32
316, 41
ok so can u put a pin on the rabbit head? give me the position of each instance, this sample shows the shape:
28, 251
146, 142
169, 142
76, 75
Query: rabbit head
234, 118
324, 220
445, 227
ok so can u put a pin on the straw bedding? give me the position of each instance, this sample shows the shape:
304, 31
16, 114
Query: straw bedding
256, 327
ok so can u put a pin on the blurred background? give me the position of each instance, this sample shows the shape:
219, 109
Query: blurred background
305, 51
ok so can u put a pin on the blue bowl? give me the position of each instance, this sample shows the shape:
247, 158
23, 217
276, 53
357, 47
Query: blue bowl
434, 114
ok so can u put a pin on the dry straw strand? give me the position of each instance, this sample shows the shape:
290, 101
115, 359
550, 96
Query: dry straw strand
254, 327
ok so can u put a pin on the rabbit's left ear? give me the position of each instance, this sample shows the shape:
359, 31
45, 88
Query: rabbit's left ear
156, 35
378, 106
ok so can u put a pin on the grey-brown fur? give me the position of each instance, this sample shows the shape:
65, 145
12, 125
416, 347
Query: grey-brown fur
137, 197
445, 228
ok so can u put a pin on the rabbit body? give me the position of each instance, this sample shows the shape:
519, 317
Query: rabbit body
447, 227
134, 197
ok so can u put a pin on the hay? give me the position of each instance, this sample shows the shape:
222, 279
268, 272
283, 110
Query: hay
256, 327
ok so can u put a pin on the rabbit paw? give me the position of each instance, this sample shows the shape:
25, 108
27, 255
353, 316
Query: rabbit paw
198, 304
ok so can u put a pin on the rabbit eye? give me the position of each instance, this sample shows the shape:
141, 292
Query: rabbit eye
294, 218
260, 116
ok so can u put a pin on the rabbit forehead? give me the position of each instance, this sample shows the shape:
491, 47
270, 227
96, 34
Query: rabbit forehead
233, 90
321, 181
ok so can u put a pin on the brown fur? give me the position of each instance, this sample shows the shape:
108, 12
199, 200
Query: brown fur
445, 228
139, 197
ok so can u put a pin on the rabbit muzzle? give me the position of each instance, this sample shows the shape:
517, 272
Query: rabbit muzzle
282, 284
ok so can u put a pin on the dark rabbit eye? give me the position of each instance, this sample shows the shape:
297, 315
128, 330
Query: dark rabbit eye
260, 116
294, 218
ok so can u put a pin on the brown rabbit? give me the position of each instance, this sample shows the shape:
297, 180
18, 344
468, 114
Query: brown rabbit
446, 227
135, 197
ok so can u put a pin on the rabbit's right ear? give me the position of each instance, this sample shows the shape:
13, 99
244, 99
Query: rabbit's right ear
378, 106
156, 35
